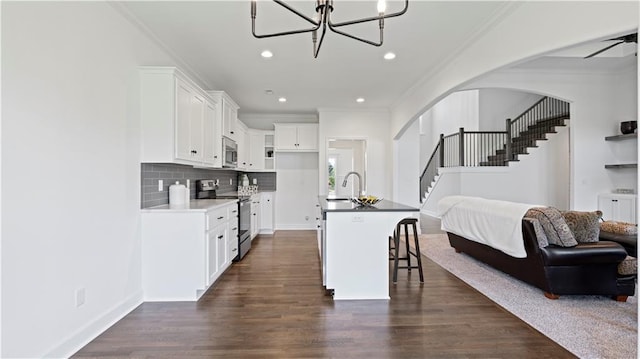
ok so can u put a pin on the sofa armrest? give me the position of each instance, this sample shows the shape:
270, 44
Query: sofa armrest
584, 253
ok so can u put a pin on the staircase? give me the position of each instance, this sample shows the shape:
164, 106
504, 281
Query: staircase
495, 148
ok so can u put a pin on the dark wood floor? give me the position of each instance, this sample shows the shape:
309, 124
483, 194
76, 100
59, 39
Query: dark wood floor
272, 305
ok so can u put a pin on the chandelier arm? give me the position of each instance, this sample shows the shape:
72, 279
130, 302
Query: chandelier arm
292, 32
377, 44
352, 22
317, 50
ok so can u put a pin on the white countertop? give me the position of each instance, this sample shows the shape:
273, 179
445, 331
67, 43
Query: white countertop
195, 205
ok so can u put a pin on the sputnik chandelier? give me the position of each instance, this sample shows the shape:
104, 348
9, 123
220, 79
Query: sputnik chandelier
322, 19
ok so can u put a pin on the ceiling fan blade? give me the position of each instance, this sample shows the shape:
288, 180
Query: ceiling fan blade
603, 50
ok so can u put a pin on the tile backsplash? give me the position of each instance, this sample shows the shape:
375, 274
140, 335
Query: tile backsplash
169, 173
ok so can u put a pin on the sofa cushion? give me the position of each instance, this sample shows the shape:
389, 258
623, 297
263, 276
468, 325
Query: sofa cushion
585, 226
628, 266
554, 225
617, 227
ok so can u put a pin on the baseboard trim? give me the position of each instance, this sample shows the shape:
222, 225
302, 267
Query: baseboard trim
90, 331
295, 227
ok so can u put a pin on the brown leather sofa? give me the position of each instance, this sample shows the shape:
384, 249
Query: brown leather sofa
586, 269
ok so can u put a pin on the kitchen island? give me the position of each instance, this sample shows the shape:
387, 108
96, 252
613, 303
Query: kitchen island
353, 243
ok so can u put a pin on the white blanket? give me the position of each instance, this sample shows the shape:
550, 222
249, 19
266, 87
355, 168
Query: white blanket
497, 224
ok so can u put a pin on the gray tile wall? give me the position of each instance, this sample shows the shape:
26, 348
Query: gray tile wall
170, 173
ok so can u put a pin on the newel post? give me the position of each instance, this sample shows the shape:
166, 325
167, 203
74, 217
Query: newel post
461, 149
508, 144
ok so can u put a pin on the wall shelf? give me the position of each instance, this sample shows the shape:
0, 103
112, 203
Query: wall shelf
621, 137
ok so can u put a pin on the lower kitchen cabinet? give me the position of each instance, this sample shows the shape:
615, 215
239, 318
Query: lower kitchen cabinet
185, 252
255, 214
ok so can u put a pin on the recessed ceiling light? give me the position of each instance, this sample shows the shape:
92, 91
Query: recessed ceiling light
389, 56
266, 54
282, 99
359, 100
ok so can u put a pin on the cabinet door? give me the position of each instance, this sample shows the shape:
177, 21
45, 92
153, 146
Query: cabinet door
286, 137
213, 267
241, 137
229, 118
221, 241
308, 138
211, 152
255, 215
266, 212
195, 128
256, 150
232, 241
183, 121
625, 209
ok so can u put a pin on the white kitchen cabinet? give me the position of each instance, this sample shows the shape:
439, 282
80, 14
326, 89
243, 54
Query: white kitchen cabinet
302, 137
177, 125
256, 150
228, 112
267, 206
242, 140
618, 207
255, 214
184, 251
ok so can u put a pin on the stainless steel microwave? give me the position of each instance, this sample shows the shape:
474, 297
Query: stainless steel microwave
229, 153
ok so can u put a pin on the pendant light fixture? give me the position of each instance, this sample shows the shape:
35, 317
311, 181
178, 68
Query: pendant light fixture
322, 20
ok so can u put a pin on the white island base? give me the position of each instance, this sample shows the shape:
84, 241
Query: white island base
356, 252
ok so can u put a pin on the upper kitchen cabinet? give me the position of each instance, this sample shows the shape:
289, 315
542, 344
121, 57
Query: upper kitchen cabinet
300, 137
228, 113
178, 120
242, 139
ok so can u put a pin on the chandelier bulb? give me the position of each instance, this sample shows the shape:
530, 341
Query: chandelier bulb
382, 6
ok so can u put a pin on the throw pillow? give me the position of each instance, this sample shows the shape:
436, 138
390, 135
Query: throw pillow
585, 226
554, 225
617, 227
540, 236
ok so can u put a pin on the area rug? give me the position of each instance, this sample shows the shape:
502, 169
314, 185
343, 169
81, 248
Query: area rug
587, 326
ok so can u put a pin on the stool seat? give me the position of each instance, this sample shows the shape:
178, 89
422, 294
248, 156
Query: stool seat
406, 222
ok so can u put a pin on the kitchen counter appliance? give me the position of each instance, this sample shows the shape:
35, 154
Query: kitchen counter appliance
206, 189
229, 153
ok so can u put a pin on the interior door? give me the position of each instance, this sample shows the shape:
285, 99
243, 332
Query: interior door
343, 165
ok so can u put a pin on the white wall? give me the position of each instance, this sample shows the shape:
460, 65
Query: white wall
459, 109
70, 173
372, 125
296, 190
407, 168
497, 105
598, 102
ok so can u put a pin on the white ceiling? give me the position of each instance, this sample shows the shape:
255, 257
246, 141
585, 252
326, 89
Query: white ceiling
213, 40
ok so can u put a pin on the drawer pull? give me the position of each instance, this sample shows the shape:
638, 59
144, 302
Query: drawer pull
234, 250
220, 237
234, 229
221, 217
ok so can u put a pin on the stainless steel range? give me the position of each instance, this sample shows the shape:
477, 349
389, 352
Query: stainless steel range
206, 189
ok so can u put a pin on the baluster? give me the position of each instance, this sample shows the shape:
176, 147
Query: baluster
508, 141
461, 149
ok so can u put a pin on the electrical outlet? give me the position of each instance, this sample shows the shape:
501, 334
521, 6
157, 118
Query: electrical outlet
306, 218
160, 186
80, 297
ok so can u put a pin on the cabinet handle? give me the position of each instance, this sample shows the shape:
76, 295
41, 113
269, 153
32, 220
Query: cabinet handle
255, 214
220, 217
234, 250
231, 132
220, 237
215, 156
234, 211
318, 226
234, 228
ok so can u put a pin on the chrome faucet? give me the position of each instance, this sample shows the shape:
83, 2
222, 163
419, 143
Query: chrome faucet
360, 190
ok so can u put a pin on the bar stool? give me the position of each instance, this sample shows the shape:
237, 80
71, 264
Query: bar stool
396, 247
